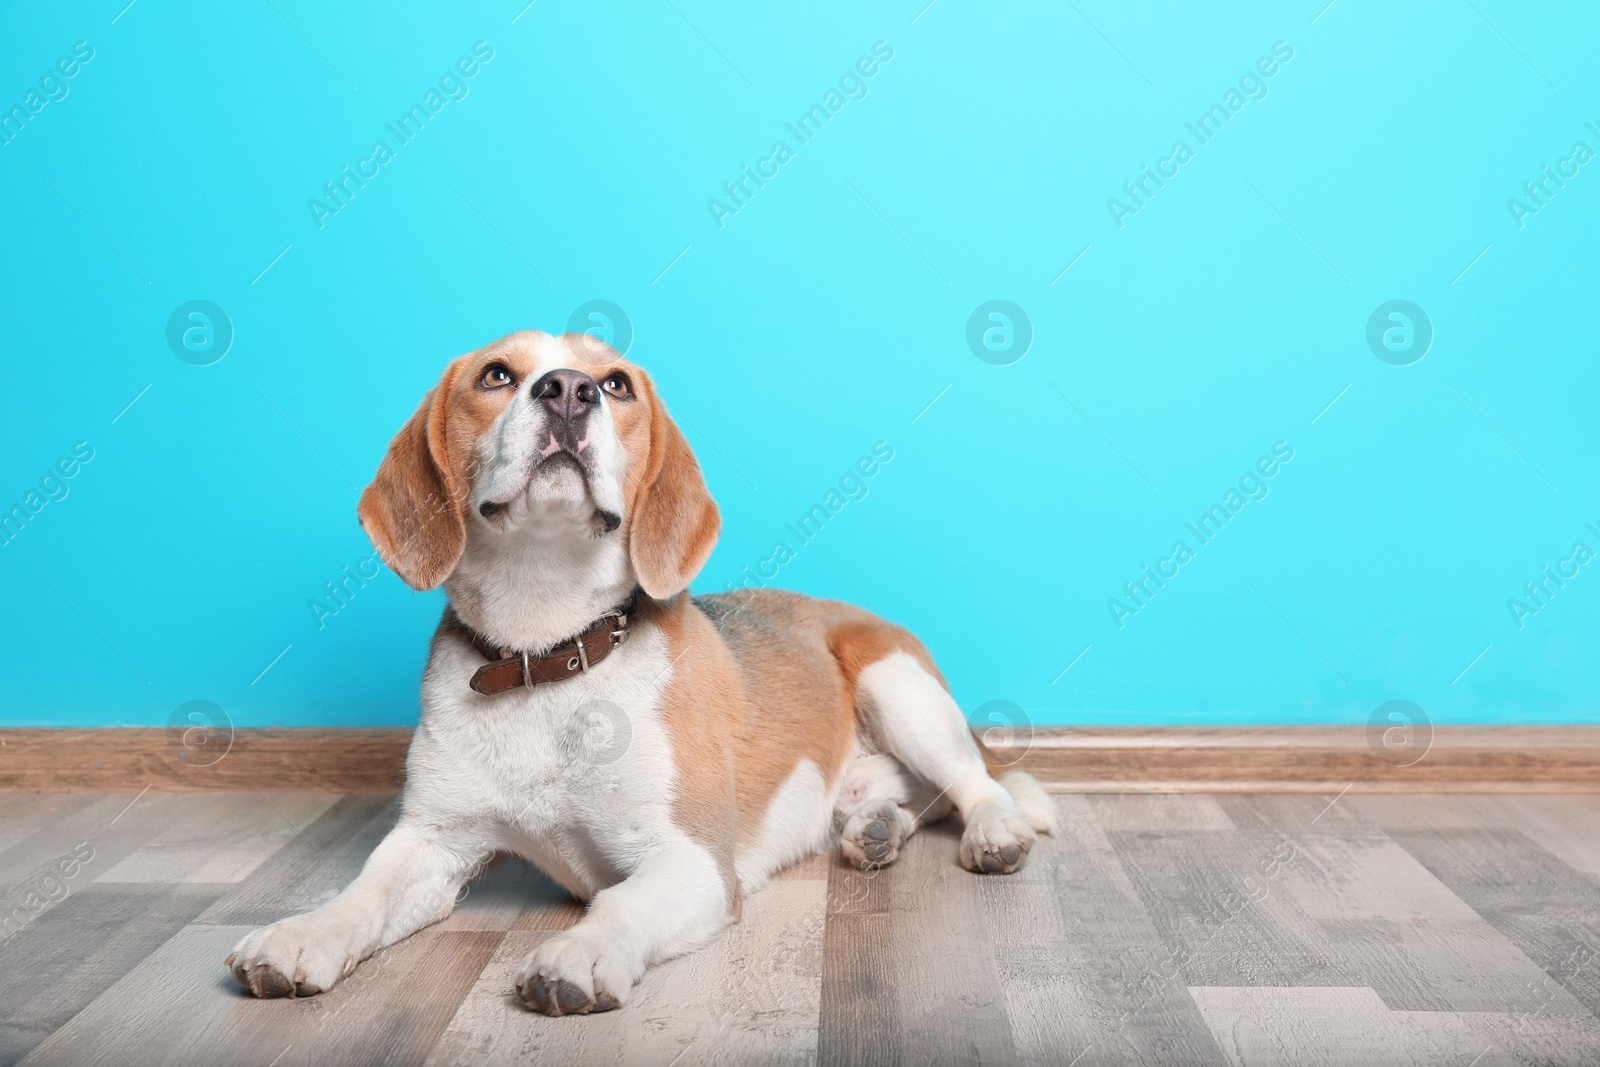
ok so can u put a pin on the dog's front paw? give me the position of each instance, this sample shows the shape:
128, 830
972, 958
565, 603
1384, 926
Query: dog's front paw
297, 957
996, 840
573, 975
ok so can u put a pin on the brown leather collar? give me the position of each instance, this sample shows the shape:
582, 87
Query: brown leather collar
509, 669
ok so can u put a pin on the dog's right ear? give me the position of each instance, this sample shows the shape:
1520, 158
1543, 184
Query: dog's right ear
675, 522
412, 511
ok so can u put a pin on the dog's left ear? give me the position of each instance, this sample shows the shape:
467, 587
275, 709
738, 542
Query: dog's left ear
675, 521
412, 510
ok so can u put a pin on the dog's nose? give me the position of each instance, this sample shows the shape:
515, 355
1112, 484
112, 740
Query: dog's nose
569, 394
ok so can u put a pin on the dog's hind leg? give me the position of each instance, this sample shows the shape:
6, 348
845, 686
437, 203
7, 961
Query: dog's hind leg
916, 720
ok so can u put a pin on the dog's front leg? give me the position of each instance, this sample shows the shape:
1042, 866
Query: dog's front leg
676, 900
410, 881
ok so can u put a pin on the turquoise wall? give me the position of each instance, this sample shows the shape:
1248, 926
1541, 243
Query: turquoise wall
1326, 275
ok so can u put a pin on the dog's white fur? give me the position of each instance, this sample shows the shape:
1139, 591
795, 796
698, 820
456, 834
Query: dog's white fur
587, 778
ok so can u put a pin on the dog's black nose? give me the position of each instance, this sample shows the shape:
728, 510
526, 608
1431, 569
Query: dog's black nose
569, 394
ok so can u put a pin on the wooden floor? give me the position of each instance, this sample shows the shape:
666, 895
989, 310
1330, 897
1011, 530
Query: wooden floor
1175, 929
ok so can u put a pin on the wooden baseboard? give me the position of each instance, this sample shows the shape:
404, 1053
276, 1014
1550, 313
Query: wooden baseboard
1314, 759
44, 761
1232, 759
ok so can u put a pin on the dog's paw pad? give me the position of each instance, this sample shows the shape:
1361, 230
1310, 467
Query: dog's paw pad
873, 838
1005, 861
557, 996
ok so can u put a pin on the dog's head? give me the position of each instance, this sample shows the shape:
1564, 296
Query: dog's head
536, 445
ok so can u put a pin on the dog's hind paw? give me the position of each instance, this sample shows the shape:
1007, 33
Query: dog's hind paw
874, 837
996, 840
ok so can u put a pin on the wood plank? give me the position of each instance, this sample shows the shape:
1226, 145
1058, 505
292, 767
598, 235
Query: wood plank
1545, 1041
1134, 811
108, 820
1336, 1027
313, 866
220, 837
381, 1019
79, 848
9, 836
22, 815
927, 960
1544, 907
547, 906
492, 1026
1564, 826
68, 956
1424, 811
1341, 1026
35, 811
176, 1004
1509, 759
1394, 926
1086, 977
751, 996
813, 868
181, 1005
1216, 904
859, 1022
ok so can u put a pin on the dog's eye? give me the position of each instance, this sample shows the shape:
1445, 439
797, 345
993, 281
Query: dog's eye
619, 386
495, 377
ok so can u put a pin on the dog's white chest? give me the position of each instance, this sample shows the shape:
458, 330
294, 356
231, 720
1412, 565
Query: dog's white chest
576, 776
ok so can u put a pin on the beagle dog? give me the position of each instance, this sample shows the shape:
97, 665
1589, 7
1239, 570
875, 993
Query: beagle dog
658, 754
